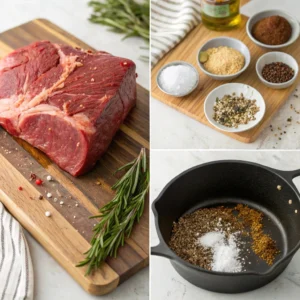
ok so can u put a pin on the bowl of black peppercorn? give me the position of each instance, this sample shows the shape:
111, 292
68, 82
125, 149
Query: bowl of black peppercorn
277, 70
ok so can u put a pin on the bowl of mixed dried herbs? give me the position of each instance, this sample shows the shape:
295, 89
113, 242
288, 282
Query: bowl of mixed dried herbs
234, 107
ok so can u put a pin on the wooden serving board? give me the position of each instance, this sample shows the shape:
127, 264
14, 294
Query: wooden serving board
64, 236
192, 105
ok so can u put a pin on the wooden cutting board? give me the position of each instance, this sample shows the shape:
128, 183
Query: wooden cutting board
66, 234
192, 105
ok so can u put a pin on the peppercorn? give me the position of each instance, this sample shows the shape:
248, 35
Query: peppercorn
39, 181
191, 226
243, 219
32, 176
277, 72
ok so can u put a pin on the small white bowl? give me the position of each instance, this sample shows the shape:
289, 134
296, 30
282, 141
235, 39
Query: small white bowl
228, 89
229, 42
176, 63
268, 13
271, 57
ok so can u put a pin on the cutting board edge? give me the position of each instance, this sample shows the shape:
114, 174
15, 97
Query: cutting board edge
241, 139
256, 131
95, 288
91, 288
105, 288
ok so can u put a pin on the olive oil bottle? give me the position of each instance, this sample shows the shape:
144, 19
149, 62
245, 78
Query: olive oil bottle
220, 14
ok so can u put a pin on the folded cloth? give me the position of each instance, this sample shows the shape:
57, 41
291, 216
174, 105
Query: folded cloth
170, 23
16, 272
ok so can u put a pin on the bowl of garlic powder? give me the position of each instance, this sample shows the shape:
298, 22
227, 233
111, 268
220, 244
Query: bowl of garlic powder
223, 58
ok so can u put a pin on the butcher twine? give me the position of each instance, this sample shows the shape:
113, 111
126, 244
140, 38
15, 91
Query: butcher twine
16, 273
171, 20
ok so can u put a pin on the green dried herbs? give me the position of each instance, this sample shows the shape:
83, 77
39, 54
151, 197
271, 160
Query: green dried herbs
241, 220
232, 110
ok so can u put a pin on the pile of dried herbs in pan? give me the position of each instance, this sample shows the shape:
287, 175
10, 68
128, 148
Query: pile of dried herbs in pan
220, 238
127, 17
118, 217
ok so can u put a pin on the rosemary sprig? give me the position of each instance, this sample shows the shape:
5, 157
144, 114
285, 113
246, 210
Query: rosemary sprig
123, 16
120, 214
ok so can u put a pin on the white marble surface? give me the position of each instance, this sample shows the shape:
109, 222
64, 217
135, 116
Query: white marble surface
165, 282
51, 281
172, 129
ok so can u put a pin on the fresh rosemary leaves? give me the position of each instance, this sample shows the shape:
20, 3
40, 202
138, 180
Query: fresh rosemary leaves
123, 16
120, 214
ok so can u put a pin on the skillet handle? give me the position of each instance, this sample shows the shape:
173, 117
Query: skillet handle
163, 250
289, 175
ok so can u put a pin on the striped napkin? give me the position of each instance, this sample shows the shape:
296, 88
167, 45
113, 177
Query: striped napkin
171, 20
16, 273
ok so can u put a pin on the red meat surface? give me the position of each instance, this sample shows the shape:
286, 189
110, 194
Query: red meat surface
67, 102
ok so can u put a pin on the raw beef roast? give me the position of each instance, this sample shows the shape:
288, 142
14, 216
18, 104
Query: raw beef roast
67, 102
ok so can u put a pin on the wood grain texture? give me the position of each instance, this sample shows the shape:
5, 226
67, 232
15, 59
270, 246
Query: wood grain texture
192, 105
67, 233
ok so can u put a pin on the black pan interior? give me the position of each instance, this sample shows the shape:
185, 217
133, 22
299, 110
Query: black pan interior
229, 183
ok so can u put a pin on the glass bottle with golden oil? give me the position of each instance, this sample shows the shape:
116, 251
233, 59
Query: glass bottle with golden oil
220, 14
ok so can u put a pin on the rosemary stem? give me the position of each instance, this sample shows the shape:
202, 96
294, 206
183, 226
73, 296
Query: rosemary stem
118, 217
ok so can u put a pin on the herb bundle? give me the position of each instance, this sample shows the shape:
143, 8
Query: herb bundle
123, 16
120, 214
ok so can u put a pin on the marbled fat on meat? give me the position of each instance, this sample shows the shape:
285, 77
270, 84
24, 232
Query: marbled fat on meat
67, 102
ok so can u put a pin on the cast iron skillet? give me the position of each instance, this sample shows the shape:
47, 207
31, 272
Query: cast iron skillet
227, 183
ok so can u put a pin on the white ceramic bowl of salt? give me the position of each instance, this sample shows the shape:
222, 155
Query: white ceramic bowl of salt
228, 42
177, 78
228, 89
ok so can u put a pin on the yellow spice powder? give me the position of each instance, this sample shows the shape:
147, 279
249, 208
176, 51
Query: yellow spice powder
224, 61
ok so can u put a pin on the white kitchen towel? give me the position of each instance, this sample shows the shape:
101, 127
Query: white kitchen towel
16, 273
171, 20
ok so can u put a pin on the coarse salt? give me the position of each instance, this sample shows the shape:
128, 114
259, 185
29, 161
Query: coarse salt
210, 239
47, 213
49, 178
225, 251
178, 80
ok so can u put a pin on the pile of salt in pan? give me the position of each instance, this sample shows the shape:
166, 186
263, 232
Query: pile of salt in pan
225, 251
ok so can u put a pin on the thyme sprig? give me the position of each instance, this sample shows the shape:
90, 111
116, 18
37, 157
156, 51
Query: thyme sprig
123, 16
117, 218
